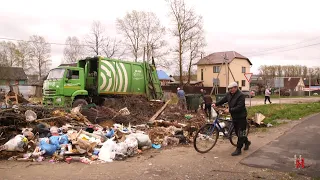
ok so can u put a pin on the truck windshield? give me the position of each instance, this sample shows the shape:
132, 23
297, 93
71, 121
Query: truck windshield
56, 74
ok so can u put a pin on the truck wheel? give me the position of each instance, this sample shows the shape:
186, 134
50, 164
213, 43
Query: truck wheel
79, 101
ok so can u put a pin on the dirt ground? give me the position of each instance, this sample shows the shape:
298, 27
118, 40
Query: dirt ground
181, 162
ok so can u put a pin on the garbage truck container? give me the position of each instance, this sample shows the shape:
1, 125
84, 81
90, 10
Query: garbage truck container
219, 97
193, 101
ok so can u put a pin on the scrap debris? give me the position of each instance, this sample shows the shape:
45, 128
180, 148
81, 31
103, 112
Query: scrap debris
91, 133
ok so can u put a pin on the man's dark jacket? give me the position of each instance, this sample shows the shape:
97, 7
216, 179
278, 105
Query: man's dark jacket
237, 105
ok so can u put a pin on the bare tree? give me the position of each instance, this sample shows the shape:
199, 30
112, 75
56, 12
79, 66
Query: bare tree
101, 44
144, 32
73, 50
96, 38
112, 48
196, 43
131, 28
185, 20
4, 54
40, 54
24, 55
8, 53
153, 35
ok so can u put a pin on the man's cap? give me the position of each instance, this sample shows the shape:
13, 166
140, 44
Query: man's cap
178, 88
233, 84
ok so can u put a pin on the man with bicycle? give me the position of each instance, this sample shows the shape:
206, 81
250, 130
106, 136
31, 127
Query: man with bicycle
237, 108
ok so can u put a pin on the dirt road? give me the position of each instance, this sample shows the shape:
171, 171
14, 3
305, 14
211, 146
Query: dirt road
301, 140
260, 101
172, 163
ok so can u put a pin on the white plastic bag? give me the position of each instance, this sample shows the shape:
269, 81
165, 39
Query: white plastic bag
213, 113
30, 115
107, 151
132, 144
121, 148
16, 144
143, 139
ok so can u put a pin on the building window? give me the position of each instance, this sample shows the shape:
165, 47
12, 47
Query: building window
243, 83
243, 69
216, 69
201, 74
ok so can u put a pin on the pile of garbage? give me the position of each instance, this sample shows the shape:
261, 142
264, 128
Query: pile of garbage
35, 133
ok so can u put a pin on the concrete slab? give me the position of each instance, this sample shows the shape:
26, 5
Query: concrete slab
303, 139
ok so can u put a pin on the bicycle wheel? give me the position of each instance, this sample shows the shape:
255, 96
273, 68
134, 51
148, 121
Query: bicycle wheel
234, 137
206, 138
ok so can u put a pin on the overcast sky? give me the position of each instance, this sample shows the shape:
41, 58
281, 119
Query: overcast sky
249, 27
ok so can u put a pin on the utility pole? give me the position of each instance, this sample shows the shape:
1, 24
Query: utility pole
309, 83
227, 71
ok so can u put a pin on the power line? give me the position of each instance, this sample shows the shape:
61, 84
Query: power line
285, 46
52, 43
288, 49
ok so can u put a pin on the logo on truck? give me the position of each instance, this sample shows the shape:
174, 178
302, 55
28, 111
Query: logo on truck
114, 77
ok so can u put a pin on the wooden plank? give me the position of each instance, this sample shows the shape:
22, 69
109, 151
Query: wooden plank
46, 119
159, 112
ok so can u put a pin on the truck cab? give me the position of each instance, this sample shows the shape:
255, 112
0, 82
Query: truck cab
63, 85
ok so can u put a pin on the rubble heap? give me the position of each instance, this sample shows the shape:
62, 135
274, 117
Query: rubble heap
92, 133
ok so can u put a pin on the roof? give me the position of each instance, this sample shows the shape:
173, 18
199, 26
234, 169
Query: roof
163, 75
185, 78
12, 73
291, 82
71, 64
219, 58
313, 81
184, 82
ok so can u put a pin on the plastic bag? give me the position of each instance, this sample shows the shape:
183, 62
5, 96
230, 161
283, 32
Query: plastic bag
30, 115
107, 153
132, 144
54, 130
27, 132
121, 148
143, 139
16, 144
213, 113
48, 148
58, 140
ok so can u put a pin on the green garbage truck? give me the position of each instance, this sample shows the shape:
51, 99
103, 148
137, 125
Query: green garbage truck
95, 79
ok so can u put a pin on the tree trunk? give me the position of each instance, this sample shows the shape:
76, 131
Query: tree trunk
39, 66
180, 60
189, 69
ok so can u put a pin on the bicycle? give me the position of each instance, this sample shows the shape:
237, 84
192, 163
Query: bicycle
213, 129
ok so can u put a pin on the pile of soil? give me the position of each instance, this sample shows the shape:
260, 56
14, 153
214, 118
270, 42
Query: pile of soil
140, 108
173, 114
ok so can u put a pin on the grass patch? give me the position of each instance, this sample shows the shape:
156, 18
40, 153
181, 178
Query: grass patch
275, 112
284, 97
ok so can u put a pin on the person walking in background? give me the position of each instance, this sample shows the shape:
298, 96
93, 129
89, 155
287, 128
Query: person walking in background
267, 94
203, 93
182, 103
207, 105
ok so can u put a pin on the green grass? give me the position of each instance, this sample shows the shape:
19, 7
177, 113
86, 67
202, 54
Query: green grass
277, 96
275, 112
